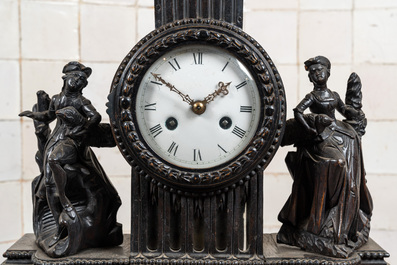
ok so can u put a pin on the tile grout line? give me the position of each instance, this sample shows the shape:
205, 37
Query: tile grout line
298, 18
20, 56
136, 6
79, 28
21, 121
353, 34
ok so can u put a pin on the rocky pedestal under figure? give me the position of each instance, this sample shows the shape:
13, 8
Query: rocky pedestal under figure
74, 203
329, 209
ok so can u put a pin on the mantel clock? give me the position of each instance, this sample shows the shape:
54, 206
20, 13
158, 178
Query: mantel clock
198, 110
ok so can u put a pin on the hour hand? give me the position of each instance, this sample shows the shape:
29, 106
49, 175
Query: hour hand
184, 97
222, 89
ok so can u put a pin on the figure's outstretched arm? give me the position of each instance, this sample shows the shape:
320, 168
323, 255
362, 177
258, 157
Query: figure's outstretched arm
298, 114
43, 116
340, 107
346, 110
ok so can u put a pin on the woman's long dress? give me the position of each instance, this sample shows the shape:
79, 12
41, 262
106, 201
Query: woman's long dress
330, 206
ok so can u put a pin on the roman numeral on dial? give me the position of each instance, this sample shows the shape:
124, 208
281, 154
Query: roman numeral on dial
223, 69
197, 155
198, 58
151, 106
246, 109
175, 65
173, 148
221, 148
156, 83
156, 130
238, 131
244, 83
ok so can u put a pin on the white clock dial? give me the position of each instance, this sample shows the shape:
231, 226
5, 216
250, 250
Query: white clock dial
171, 94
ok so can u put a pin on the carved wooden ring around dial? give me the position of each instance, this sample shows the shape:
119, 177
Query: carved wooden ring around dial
123, 96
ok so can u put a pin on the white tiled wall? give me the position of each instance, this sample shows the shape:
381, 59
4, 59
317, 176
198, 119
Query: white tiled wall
39, 36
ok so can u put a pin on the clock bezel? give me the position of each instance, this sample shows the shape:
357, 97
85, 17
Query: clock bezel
122, 100
184, 163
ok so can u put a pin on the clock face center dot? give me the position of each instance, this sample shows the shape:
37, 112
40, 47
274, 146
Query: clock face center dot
198, 107
171, 123
225, 123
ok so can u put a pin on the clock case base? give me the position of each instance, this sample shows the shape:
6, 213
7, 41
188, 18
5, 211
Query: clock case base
25, 251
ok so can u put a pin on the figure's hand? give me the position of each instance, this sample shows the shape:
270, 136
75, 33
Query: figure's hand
26, 113
184, 97
222, 89
350, 112
78, 132
312, 131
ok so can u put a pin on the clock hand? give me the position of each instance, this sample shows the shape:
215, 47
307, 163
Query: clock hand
185, 98
222, 89
200, 106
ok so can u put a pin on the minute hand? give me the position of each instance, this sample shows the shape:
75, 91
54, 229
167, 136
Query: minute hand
184, 97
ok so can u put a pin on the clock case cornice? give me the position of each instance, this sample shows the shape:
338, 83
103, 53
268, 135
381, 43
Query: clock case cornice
167, 11
121, 107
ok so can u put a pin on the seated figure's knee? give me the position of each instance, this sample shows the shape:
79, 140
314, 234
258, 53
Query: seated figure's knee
54, 160
49, 183
342, 162
338, 162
